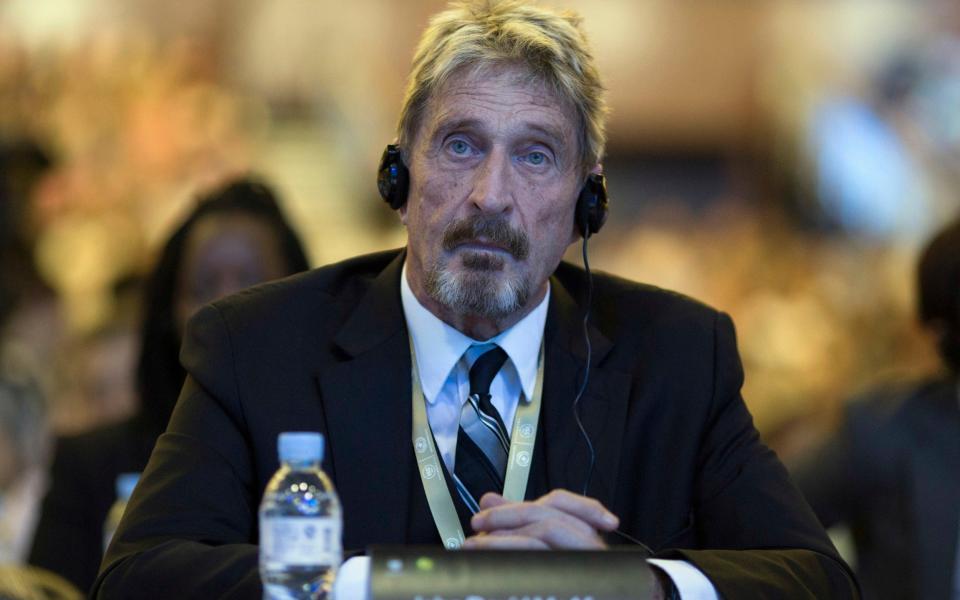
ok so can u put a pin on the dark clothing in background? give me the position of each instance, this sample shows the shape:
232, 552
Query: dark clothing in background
892, 473
69, 535
678, 458
69, 540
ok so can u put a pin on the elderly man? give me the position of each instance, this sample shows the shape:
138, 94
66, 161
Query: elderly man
631, 429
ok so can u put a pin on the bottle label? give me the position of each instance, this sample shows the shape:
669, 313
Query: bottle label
301, 541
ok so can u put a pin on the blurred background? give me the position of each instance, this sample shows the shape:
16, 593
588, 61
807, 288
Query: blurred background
781, 160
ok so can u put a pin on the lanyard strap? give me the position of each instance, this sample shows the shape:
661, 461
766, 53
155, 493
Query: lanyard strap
523, 435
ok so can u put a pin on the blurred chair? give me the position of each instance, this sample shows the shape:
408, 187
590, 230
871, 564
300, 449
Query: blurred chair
31, 583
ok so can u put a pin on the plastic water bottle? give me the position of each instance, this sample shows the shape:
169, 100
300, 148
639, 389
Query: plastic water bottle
300, 523
125, 484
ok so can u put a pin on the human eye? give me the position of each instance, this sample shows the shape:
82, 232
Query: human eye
458, 147
536, 158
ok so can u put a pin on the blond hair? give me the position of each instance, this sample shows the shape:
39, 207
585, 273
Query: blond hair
550, 44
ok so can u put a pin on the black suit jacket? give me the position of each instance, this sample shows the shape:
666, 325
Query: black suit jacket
677, 456
892, 472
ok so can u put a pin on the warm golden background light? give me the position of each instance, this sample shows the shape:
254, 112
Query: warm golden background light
736, 136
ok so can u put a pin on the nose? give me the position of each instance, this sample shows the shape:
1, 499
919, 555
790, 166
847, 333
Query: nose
491, 191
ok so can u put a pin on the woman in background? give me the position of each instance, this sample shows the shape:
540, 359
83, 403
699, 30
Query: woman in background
235, 238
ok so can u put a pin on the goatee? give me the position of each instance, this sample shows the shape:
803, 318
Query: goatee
480, 288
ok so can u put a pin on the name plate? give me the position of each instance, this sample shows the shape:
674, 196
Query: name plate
432, 573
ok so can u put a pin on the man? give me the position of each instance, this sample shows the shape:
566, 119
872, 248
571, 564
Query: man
500, 132
891, 470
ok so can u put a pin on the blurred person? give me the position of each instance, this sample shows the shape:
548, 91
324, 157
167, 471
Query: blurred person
90, 374
100, 367
495, 174
31, 322
34, 333
892, 470
99, 386
24, 454
235, 238
21, 166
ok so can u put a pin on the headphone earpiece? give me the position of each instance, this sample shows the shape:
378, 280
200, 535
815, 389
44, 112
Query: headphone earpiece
592, 205
393, 179
393, 183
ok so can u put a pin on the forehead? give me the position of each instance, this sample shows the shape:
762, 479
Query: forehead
501, 99
236, 232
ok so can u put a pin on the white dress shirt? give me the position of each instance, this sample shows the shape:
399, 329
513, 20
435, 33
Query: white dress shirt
444, 357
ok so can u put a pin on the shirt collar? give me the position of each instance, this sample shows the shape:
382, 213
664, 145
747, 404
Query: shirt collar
439, 346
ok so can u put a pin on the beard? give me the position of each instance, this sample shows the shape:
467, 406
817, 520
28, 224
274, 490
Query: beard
481, 287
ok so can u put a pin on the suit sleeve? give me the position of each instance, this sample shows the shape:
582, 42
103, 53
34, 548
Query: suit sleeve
759, 537
188, 530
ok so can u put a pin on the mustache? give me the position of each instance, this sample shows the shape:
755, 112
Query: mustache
493, 229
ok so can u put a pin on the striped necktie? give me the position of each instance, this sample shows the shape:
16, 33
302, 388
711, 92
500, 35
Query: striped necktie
483, 443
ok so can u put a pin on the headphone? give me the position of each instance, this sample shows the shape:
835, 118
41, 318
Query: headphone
393, 182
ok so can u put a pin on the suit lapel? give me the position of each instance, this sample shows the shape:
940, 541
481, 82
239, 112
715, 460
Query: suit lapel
366, 400
602, 407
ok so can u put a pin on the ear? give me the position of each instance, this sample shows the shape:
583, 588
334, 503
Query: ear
574, 230
402, 211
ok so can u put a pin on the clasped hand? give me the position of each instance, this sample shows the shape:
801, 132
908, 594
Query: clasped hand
558, 520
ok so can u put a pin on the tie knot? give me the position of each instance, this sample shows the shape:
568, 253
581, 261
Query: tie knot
484, 369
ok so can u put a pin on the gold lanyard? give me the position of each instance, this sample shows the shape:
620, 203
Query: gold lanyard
523, 435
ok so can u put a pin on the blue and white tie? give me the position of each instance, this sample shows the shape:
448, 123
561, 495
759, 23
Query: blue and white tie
483, 443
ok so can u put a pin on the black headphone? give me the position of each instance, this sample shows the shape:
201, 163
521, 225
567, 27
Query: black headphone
393, 181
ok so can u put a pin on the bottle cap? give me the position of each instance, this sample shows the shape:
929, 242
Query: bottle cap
300, 446
125, 484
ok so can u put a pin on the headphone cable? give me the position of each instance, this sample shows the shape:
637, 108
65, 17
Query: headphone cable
586, 374
583, 386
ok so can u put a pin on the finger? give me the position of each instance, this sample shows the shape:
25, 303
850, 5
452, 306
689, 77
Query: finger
555, 535
491, 500
584, 508
512, 516
504, 542
559, 535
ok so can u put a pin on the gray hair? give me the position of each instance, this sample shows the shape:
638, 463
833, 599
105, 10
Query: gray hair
549, 43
